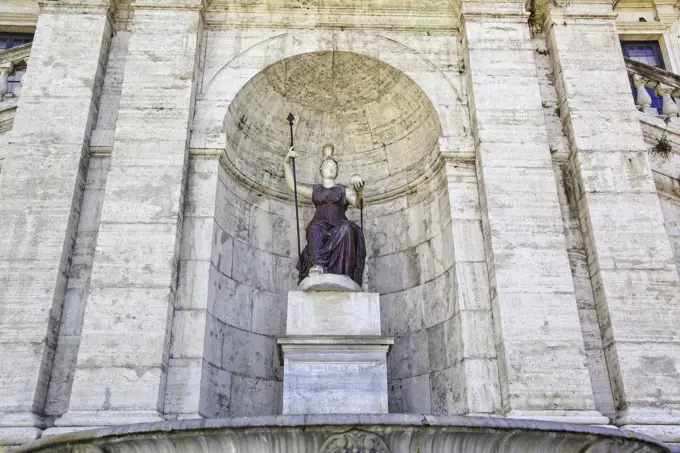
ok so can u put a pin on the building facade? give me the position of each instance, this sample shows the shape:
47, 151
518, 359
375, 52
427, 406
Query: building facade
523, 238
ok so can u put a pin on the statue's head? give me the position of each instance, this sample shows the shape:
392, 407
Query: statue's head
329, 166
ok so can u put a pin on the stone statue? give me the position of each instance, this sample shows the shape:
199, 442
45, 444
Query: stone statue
335, 245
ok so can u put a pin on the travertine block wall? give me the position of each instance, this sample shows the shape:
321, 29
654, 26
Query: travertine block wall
533, 296
475, 375
251, 270
409, 242
494, 261
71, 322
409, 237
133, 283
186, 356
630, 260
574, 237
410, 263
41, 186
585, 299
671, 215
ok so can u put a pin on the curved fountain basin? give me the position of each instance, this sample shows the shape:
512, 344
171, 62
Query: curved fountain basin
387, 433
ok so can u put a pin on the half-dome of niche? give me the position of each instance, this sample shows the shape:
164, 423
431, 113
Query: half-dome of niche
382, 124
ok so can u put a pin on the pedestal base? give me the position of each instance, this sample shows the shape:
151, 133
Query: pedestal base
335, 374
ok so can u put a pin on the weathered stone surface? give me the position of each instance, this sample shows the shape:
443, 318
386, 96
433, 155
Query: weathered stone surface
535, 315
631, 265
342, 374
399, 432
328, 282
499, 305
41, 188
333, 313
125, 345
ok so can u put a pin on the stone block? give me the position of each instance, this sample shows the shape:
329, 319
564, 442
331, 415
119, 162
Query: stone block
216, 392
183, 386
249, 354
252, 396
444, 344
188, 328
229, 300
269, 313
447, 387
439, 302
409, 355
333, 313
402, 311
334, 374
416, 394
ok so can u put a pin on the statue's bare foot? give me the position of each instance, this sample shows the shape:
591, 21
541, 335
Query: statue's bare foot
315, 270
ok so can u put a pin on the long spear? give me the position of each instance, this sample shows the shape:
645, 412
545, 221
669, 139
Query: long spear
291, 118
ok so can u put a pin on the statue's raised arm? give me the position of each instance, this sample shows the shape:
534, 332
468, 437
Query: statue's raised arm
355, 193
304, 190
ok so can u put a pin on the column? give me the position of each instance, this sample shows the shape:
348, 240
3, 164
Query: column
41, 186
541, 355
636, 287
125, 344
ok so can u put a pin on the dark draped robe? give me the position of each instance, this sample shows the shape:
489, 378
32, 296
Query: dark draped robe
333, 242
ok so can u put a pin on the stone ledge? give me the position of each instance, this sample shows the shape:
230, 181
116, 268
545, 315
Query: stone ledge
164, 436
334, 340
106, 417
18, 436
576, 417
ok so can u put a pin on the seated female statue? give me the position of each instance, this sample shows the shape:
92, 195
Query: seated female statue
335, 245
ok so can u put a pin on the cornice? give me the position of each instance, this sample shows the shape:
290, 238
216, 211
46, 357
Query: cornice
93, 6
18, 22
544, 13
480, 11
189, 5
15, 55
217, 15
642, 27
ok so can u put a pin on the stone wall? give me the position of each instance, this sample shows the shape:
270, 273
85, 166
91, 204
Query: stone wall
511, 225
670, 206
251, 270
410, 263
71, 322
41, 187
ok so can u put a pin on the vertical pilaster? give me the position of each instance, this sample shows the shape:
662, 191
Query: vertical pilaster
41, 188
532, 294
123, 357
630, 260
185, 364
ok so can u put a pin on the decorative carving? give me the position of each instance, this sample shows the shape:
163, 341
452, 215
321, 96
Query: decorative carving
354, 441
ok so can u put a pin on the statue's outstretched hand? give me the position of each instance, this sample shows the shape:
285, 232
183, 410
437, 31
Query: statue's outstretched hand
357, 183
291, 155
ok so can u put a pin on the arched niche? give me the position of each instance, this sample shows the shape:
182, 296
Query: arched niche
386, 128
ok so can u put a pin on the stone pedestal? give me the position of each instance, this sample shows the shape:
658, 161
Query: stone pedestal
334, 359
